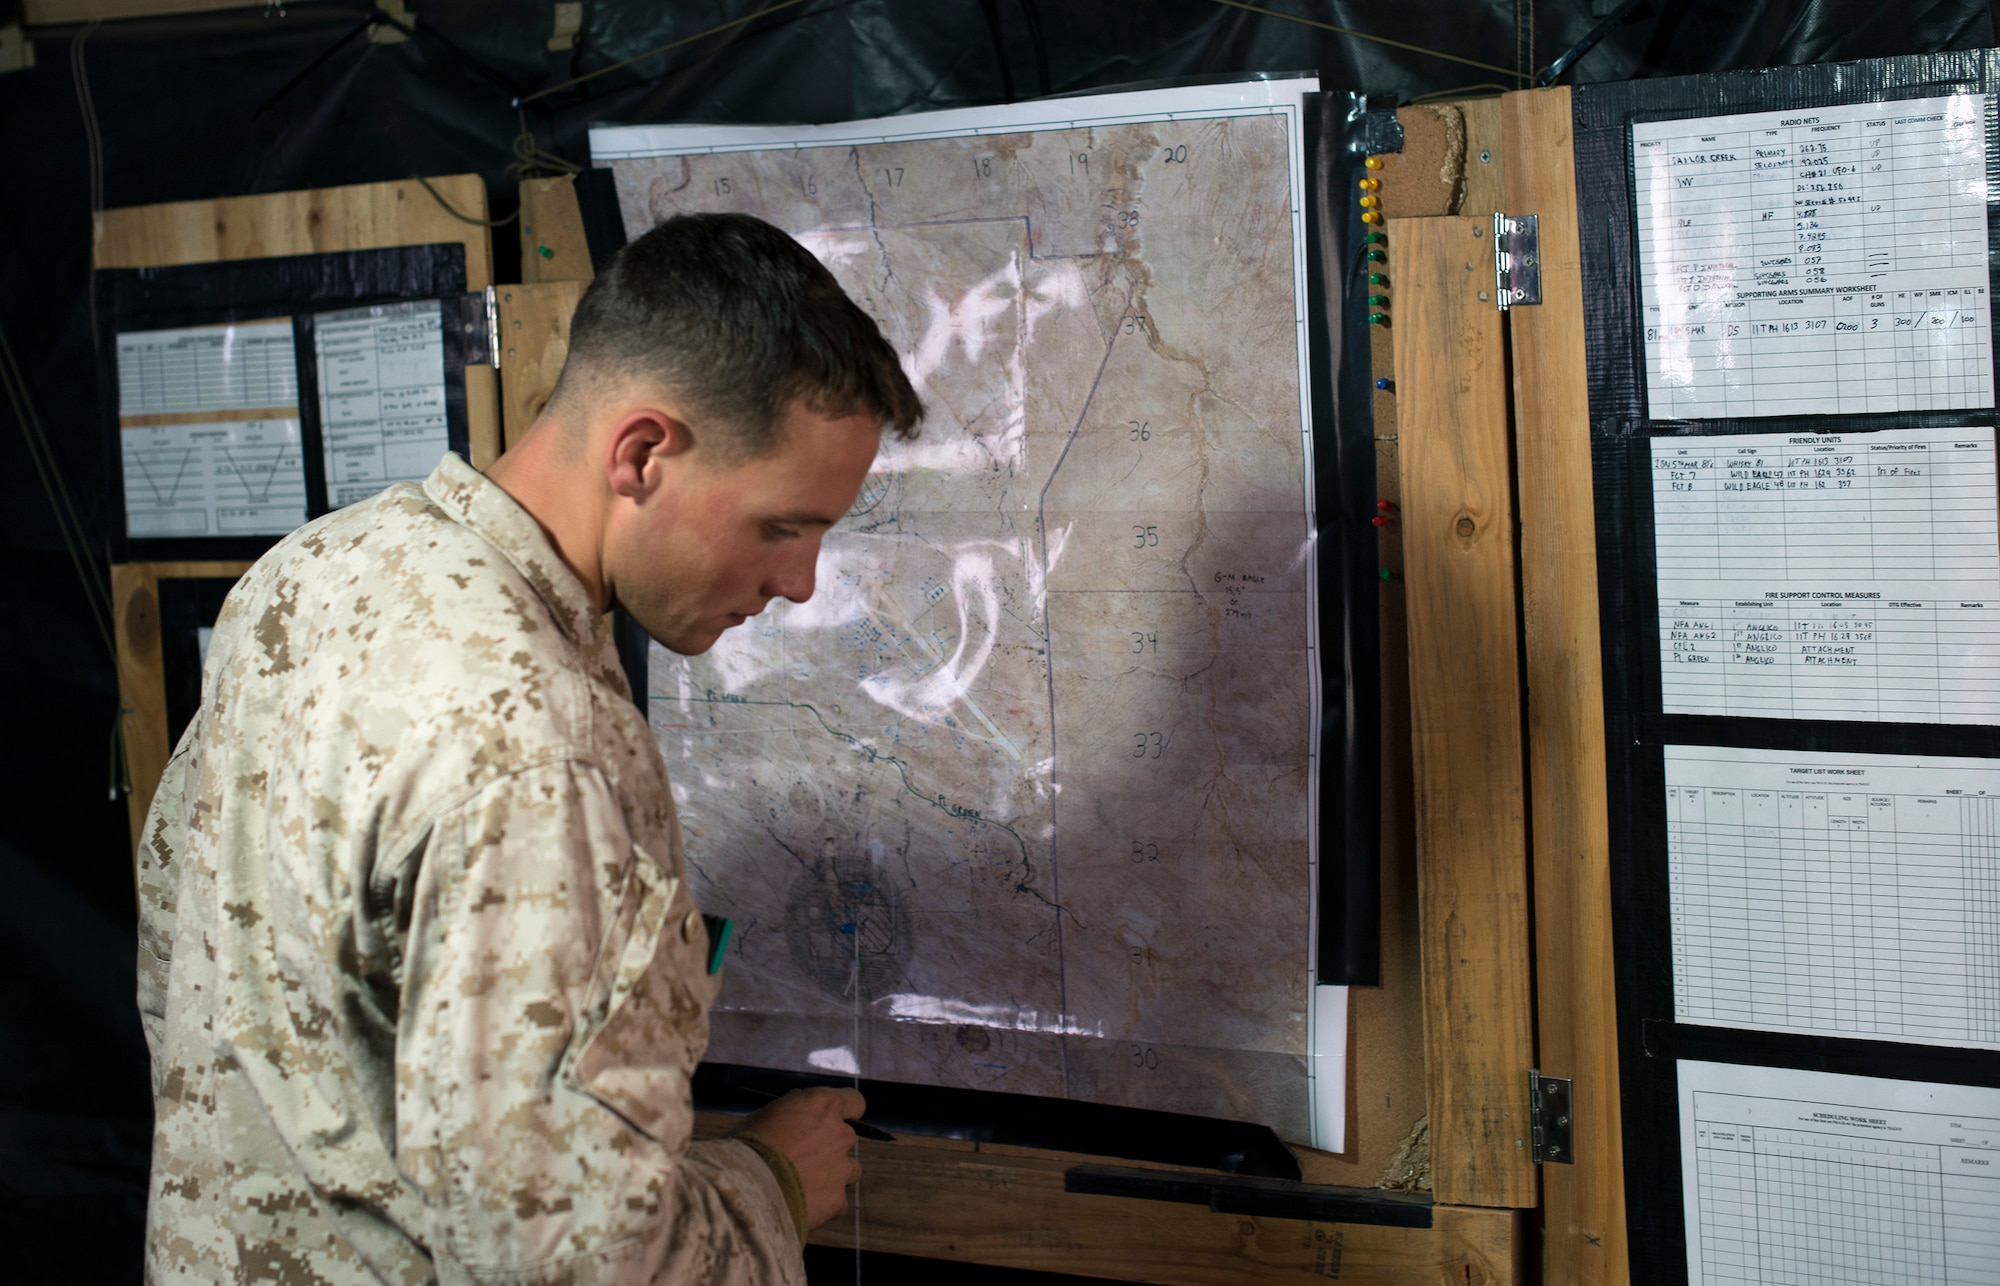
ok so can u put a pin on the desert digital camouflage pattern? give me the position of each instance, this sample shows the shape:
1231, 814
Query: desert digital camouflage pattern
420, 971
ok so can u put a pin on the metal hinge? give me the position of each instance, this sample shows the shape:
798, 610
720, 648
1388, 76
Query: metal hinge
1517, 260
1549, 1102
479, 324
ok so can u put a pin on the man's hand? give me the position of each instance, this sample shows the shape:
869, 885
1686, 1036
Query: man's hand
810, 1128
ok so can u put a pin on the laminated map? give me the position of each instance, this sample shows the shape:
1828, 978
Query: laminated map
1023, 799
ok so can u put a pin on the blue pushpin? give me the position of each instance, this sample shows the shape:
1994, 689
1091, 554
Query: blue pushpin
1387, 386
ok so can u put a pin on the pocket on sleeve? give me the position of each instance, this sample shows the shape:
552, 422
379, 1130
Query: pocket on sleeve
639, 1058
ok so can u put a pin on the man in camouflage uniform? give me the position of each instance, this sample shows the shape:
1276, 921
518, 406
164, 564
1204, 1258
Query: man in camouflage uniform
420, 970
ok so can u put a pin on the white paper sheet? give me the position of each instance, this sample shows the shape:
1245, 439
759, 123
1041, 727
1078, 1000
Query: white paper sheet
1850, 576
209, 431
1827, 261
381, 396
1808, 1177
1848, 895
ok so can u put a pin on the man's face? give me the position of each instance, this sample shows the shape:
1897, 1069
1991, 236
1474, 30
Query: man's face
716, 542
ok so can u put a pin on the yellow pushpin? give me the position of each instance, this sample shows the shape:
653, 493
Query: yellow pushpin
1373, 162
1369, 185
1370, 202
1370, 216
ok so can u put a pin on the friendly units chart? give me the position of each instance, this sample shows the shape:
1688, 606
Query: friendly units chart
1808, 1177
1848, 576
1830, 261
1841, 895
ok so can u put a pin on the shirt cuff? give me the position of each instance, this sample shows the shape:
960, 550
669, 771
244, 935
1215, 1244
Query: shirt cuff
787, 1176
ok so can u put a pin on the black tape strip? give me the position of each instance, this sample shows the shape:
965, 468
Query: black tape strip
1259, 1198
1636, 729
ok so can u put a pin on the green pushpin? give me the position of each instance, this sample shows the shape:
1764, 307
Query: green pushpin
545, 252
1377, 256
1377, 301
1376, 238
1386, 574
1378, 278
1378, 319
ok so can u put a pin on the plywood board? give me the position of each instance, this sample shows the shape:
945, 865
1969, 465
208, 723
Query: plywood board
363, 216
1466, 717
1584, 1204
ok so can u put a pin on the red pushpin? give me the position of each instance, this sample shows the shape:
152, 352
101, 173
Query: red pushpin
1385, 505
1380, 520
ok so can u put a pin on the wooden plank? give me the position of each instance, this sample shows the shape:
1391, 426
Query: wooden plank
534, 341
941, 1199
1465, 685
1485, 172
553, 247
362, 216
1584, 1203
142, 677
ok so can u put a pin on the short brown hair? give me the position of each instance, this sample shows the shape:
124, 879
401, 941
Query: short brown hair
738, 319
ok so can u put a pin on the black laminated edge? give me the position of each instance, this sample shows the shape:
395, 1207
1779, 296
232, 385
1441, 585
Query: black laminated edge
1019, 1120
1348, 951
1636, 730
603, 223
246, 290
1257, 1198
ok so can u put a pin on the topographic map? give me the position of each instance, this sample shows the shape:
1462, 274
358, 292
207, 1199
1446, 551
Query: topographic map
1021, 800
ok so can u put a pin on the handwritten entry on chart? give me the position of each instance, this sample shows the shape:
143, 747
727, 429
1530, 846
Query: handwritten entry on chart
1830, 261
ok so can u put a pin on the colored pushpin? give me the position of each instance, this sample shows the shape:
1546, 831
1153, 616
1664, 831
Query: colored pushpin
1386, 574
1375, 238
545, 252
1369, 185
1378, 278
1370, 216
1378, 319
1376, 256
1373, 162
1386, 385
1385, 505
1370, 202
1377, 301
1379, 520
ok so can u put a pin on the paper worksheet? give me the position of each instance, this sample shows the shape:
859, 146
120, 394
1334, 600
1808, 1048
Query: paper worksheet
1797, 1177
208, 420
1827, 261
381, 396
1840, 895
1851, 576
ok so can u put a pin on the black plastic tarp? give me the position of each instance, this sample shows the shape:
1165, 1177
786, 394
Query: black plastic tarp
268, 99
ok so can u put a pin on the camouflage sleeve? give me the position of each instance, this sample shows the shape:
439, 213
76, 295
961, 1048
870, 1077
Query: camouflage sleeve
163, 840
554, 1004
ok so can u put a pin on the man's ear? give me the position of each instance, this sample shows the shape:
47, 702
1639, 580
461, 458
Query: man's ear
642, 440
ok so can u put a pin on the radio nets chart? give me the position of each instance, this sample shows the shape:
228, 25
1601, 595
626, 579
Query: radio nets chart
1850, 576
381, 396
208, 420
1813, 1177
1022, 799
1841, 895
1829, 261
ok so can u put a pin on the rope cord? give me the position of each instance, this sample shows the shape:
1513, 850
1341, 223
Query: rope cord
462, 217
1379, 40
672, 44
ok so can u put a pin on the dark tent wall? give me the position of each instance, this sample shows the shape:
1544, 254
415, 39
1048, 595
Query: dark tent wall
268, 99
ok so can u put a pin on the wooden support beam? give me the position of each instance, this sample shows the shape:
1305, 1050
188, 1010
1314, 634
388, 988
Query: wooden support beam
1584, 1204
1466, 720
553, 247
534, 342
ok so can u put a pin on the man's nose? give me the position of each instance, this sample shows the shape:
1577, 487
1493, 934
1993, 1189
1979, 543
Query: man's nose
795, 582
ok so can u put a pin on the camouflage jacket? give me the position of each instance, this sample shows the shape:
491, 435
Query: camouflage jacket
419, 968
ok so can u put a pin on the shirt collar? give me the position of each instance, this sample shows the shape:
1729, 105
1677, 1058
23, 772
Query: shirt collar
471, 498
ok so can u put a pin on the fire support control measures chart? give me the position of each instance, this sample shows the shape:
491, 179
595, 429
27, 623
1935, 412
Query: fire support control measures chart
1823, 262
1851, 576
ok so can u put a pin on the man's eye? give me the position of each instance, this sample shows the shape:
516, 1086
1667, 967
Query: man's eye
774, 532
